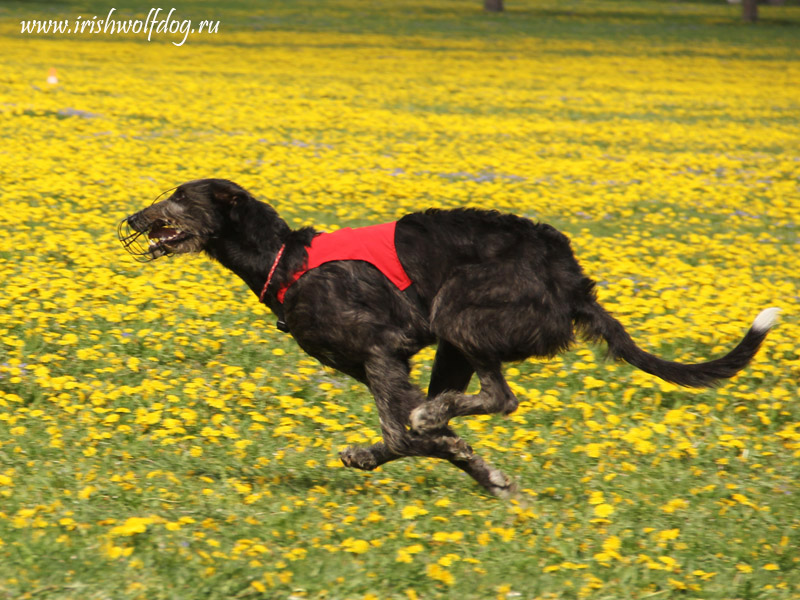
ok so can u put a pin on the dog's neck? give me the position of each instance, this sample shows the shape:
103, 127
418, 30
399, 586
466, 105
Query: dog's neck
250, 246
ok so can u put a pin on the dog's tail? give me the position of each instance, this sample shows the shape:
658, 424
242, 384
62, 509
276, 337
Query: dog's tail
596, 323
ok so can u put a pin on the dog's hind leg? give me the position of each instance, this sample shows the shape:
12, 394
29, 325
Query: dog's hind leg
451, 370
494, 397
395, 398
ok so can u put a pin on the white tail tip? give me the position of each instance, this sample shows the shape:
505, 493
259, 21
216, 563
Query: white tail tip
766, 319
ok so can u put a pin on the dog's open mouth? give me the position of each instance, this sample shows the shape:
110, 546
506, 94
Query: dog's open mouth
163, 237
147, 239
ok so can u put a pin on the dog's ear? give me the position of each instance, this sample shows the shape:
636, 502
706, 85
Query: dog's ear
232, 199
228, 193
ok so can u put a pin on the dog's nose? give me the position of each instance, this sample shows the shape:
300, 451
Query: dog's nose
136, 222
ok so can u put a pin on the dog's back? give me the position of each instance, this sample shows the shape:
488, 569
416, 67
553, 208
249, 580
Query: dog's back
512, 288
433, 243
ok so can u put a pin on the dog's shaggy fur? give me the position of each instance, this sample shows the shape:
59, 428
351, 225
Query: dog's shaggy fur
489, 288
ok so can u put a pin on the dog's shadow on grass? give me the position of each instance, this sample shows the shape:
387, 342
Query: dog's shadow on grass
398, 480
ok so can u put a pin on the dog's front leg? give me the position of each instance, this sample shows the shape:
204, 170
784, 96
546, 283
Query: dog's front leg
369, 458
394, 398
491, 478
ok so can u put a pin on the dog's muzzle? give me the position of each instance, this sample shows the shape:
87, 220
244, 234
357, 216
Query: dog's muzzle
135, 241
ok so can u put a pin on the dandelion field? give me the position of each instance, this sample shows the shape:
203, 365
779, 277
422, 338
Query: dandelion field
160, 439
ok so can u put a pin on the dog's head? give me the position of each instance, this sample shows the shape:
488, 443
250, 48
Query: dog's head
196, 213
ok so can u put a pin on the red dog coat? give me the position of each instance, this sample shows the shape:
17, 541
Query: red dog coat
373, 244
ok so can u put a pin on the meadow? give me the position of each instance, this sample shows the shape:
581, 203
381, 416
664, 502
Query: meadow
160, 439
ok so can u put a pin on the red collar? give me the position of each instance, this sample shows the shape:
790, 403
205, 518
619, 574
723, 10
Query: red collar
271, 273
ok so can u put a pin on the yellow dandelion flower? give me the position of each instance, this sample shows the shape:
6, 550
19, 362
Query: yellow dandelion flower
86, 492
674, 505
437, 572
603, 510
355, 546
412, 512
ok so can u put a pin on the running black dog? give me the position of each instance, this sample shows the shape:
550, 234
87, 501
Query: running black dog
488, 287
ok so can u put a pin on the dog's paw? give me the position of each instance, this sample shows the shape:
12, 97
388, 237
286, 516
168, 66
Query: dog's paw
428, 417
501, 485
358, 458
458, 447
